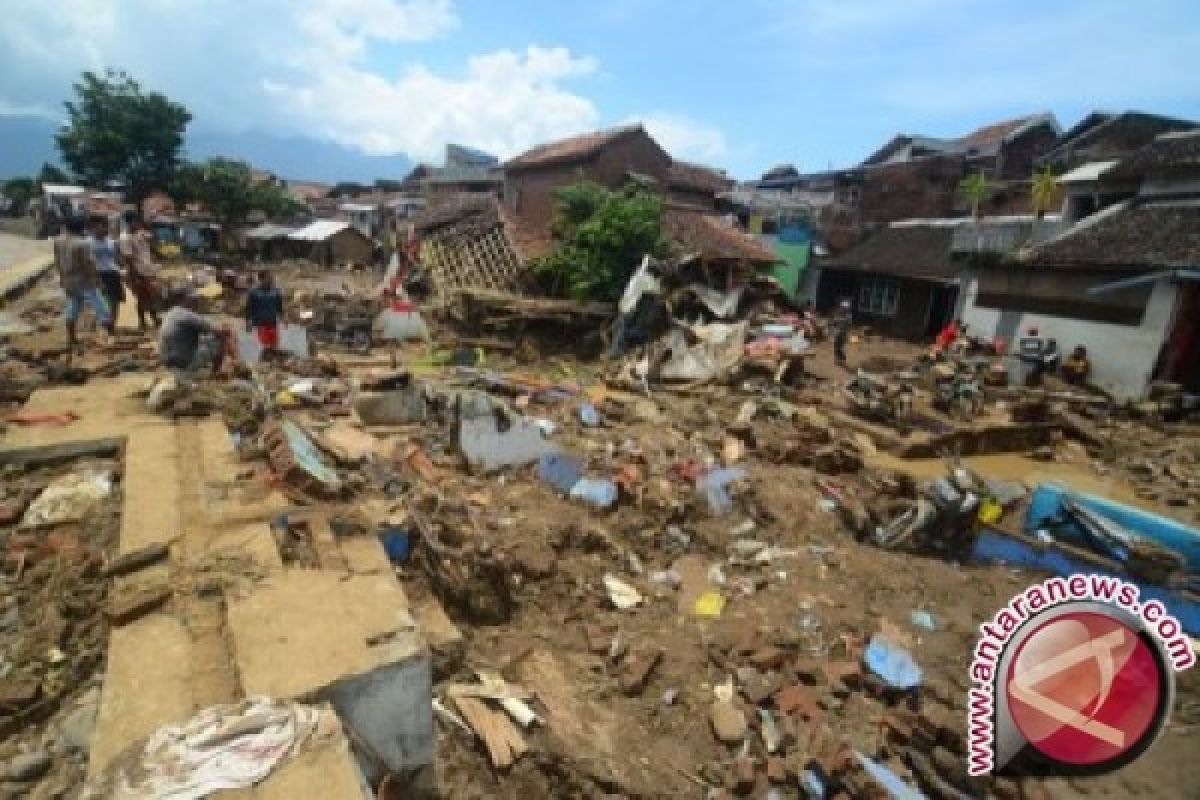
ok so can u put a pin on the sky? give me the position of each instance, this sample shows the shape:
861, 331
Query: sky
741, 85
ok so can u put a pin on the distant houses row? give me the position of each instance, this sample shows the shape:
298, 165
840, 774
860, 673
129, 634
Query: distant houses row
1113, 267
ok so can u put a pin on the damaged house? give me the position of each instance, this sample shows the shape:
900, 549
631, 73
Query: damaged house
479, 241
1122, 281
916, 176
902, 281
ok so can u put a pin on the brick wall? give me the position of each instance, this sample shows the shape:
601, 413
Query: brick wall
529, 192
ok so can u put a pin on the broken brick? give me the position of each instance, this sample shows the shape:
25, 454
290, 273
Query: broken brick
11, 511
897, 728
744, 775
133, 605
846, 673
763, 687
797, 698
597, 639
776, 770
636, 671
17, 694
768, 658
809, 671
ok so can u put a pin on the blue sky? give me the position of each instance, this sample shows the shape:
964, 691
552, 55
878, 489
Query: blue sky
743, 85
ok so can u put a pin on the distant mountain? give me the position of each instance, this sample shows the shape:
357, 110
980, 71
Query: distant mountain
27, 142
298, 158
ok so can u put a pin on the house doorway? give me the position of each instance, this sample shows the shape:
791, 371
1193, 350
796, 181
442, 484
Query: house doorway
942, 302
1180, 358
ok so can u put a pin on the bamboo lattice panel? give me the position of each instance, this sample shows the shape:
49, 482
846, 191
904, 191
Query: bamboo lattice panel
485, 261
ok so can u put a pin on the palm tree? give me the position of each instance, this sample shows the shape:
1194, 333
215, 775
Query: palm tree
1042, 189
976, 188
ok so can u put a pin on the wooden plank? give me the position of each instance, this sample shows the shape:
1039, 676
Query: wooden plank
500, 736
49, 455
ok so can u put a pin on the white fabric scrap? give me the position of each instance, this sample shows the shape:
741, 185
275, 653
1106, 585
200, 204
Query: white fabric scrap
69, 498
222, 747
642, 282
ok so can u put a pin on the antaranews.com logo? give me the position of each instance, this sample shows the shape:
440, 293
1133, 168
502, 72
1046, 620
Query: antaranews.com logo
1075, 676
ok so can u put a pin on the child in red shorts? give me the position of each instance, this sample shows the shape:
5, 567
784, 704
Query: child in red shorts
264, 310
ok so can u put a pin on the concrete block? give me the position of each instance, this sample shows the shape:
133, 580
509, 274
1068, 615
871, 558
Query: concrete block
147, 685
393, 406
317, 635
487, 447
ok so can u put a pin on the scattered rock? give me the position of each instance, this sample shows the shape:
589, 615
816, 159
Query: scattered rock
28, 766
75, 730
636, 671
743, 775
728, 722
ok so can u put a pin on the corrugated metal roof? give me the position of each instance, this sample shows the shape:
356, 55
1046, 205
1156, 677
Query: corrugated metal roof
269, 231
1086, 173
62, 188
320, 230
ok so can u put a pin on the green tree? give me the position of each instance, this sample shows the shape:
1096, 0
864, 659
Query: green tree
117, 132
601, 237
20, 191
227, 189
976, 188
1042, 190
49, 173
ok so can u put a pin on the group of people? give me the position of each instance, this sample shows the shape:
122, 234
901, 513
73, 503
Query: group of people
94, 272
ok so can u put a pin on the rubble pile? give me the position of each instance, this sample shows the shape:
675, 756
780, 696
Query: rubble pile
58, 525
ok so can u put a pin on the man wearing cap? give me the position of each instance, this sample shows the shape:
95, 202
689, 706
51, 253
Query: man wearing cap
79, 279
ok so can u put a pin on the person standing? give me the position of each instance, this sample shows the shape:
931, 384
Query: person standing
79, 279
140, 270
264, 309
104, 253
842, 319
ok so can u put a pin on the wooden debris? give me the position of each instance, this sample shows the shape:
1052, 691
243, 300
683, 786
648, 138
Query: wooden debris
135, 560
500, 736
129, 606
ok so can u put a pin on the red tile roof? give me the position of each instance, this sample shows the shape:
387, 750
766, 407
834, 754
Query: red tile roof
707, 234
996, 132
685, 175
575, 148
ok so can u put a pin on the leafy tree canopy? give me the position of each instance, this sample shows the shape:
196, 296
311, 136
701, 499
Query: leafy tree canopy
49, 173
1042, 189
601, 238
20, 191
976, 187
117, 132
226, 188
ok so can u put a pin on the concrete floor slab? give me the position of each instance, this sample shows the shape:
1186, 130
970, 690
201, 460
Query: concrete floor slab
147, 685
301, 630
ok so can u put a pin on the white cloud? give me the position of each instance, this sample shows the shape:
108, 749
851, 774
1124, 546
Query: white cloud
341, 28
505, 102
686, 138
316, 68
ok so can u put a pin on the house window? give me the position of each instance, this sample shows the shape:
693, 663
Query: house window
878, 296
